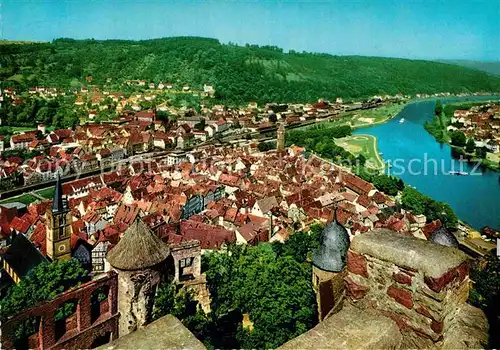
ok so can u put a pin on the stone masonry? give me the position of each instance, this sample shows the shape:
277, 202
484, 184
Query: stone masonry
84, 330
420, 285
402, 292
189, 251
136, 291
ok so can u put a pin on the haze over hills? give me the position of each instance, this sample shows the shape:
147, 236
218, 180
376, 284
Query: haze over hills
488, 67
239, 73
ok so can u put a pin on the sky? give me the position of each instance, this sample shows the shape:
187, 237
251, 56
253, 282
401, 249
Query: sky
426, 29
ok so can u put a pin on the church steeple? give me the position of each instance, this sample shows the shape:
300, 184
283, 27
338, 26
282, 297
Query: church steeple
58, 203
58, 234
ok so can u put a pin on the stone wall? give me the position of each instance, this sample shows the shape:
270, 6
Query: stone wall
200, 291
329, 290
351, 328
85, 329
166, 332
186, 250
418, 284
136, 292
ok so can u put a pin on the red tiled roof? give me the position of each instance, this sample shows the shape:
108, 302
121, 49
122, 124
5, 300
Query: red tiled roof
20, 225
63, 133
227, 179
23, 138
431, 227
356, 184
210, 237
379, 197
364, 200
351, 197
126, 214
254, 232
38, 237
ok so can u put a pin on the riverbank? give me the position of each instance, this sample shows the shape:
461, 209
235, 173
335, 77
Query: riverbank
438, 128
425, 164
376, 116
365, 145
471, 157
362, 118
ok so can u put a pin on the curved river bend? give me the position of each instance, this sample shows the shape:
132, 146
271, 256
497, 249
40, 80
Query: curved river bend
475, 199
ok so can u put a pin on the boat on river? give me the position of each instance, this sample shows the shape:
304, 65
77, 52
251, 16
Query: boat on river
401, 121
459, 173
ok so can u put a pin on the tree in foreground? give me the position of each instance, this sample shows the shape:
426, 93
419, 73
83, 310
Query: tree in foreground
43, 283
271, 283
485, 294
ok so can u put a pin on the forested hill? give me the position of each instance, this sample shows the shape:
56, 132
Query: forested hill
239, 73
488, 67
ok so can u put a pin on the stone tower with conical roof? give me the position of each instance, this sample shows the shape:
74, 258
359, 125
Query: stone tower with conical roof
58, 234
329, 262
139, 259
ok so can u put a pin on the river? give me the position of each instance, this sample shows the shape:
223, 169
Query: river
413, 152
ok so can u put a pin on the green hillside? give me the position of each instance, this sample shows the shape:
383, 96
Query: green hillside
488, 67
240, 74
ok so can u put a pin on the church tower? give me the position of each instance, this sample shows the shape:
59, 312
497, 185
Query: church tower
280, 142
59, 229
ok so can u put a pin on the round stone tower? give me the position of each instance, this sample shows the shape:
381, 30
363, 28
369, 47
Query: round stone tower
139, 259
329, 261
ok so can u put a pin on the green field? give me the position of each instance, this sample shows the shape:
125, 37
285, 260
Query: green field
365, 145
46, 193
24, 198
373, 116
20, 129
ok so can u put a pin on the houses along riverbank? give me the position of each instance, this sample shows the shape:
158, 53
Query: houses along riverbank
423, 163
471, 128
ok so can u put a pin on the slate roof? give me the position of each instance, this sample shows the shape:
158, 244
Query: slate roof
331, 255
22, 256
58, 202
444, 237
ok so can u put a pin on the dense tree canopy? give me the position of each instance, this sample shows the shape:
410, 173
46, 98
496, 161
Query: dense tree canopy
388, 184
266, 146
44, 282
421, 204
470, 146
239, 74
438, 109
58, 112
271, 283
485, 294
458, 138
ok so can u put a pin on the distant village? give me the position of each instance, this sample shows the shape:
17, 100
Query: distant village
135, 130
480, 123
179, 187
